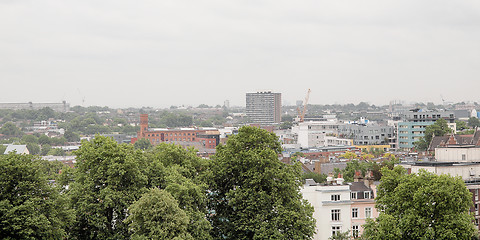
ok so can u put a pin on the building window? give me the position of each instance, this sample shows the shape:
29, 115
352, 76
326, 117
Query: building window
355, 231
367, 195
354, 212
368, 212
336, 230
335, 197
464, 157
335, 215
353, 195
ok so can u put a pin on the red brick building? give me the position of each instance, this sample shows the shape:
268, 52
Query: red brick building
207, 137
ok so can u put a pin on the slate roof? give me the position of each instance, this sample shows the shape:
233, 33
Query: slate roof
455, 139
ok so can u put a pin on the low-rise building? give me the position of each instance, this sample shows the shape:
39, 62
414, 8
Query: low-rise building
208, 137
340, 207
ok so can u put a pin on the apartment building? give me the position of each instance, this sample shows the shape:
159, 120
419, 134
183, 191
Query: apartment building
264, 107
414, 124
340, 207
367, 134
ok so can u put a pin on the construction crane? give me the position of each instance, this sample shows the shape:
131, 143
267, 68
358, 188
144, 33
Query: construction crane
302, 116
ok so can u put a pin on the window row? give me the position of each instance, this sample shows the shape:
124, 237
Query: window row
368, 212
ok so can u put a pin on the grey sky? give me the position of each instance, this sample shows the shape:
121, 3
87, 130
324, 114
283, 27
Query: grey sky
122, 53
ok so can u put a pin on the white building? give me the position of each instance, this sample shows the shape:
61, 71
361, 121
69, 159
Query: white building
339, 207
312, 134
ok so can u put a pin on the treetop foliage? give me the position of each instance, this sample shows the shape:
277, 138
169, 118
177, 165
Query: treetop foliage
254, 195
421, 206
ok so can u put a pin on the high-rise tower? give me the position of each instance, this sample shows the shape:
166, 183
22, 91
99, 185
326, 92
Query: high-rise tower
264, 107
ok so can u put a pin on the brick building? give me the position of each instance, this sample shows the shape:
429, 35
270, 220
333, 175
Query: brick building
206, 137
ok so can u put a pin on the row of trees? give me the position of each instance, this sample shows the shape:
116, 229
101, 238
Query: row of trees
119, 192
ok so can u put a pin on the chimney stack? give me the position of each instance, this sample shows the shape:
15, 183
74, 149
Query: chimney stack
358, 176
368, 181
340, 179
330, 178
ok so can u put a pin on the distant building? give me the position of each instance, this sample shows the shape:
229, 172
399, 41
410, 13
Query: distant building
207, 138
264, 107
315, 133
59, 107
19, 149
363, 134
414, 124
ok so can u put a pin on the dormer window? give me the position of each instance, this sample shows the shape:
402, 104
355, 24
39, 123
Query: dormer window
353, 195
367, 195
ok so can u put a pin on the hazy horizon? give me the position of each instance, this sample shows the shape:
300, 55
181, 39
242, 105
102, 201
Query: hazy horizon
127, 53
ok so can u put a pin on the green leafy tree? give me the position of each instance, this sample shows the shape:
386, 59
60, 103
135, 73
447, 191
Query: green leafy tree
439, 128
108, 178
253, 194
45, 149
319, 178
56, 152
349, 155
9, 129
461, 125
3, 148
473, 122
71, 136
421, 206
143, 144
30, 208
353, 166
156, 215
33, 148
43, 140
29, 139
182, 173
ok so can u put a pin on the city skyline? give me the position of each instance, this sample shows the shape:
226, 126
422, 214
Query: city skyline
158, 54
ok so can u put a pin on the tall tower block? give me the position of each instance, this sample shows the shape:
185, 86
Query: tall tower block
143, 124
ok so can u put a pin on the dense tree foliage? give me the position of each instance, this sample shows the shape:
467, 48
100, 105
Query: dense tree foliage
181, 172
142, 144
107, 180
254, 195
30, 208
421, 206
157, 215
9, 129
317, 177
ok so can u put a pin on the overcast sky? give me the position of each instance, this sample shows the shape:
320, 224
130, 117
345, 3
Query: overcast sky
122, 53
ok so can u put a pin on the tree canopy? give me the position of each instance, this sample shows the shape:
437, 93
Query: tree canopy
156, 215
421, 206
30, 208
473, 122
107, 180
253, 194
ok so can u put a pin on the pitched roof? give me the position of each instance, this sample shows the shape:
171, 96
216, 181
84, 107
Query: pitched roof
359, 187
17, 148
454, 139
